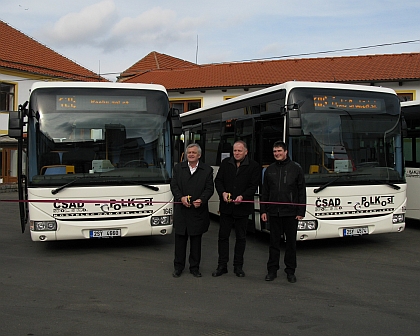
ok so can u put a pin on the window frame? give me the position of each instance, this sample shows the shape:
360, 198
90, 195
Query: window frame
406, 93
8, 104
185, 102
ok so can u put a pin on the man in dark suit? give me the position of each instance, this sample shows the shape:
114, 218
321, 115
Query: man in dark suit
192, 186
236, 181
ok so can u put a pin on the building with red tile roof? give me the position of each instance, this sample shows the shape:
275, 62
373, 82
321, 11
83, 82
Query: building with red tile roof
204, 82
23, 56
154, 61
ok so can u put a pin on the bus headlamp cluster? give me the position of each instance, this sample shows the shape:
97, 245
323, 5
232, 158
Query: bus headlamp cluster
43, 225
304, 225
161, 220
398, 218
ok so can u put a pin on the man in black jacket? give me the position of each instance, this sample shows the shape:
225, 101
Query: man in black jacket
236, 181
192, 186
284, 186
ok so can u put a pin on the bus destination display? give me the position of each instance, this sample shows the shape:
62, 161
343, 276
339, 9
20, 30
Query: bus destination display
322, 102
100, 103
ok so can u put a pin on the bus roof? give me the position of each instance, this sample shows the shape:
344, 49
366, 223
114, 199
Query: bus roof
410, 103
288, 86
100, 85
411, 109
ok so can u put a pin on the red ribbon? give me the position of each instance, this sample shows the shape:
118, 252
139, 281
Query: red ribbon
127, 201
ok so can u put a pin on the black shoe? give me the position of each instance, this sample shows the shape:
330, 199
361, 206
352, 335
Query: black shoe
176, 273
219, 271
291, 278
196, 273
270, 276
239, 272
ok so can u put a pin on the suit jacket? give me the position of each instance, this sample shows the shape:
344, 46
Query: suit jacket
192, 221
242, 181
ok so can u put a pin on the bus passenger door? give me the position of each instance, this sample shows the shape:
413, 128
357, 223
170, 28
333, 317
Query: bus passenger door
193, 135
244, 130
267, 132
178, 150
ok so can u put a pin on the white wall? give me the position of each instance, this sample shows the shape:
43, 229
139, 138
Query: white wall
406, 86
209, 97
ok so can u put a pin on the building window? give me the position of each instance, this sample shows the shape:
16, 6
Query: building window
185, 105
228, 97
406, 95
7, 97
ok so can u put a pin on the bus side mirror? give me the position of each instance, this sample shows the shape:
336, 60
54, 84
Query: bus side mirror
15, 125
294, 121
176, 122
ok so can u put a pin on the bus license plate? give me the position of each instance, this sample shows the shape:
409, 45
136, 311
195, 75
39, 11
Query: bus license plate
356, 231
105, 233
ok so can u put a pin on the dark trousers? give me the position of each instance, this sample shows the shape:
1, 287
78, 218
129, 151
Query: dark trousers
226, 224
181, 251
288, 227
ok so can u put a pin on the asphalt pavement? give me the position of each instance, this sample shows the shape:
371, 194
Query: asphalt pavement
355, 286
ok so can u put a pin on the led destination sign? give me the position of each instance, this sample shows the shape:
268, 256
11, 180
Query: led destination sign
100, 103
322, 102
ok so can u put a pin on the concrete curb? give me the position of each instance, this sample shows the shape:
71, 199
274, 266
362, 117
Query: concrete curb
9, 187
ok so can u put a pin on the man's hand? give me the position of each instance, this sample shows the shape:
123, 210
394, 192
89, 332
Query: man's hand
186, 201
226, 197
238, 200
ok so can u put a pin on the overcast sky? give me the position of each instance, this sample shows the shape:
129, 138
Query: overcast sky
108, 36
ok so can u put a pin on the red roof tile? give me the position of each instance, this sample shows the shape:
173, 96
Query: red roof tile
382, 68
22, 53
154, 61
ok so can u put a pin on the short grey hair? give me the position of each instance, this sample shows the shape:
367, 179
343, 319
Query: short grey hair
241, 142
194, 145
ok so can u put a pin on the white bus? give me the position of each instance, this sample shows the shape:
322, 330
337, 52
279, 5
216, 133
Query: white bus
98, 160
347, 138
411, 113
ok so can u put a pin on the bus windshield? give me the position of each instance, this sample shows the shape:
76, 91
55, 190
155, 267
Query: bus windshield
355, 135
91, 138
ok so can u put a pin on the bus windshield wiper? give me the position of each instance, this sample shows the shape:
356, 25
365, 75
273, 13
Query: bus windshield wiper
317, 190
146, 185
132, 182
392, 185
55, 191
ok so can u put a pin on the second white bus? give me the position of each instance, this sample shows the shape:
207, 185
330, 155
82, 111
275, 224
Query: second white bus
347, 138
411, 113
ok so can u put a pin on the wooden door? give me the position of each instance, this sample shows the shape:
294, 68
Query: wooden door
9, 165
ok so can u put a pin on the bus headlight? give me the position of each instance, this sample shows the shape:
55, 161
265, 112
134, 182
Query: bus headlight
43, 225
307, 225
399, 218
161, 220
